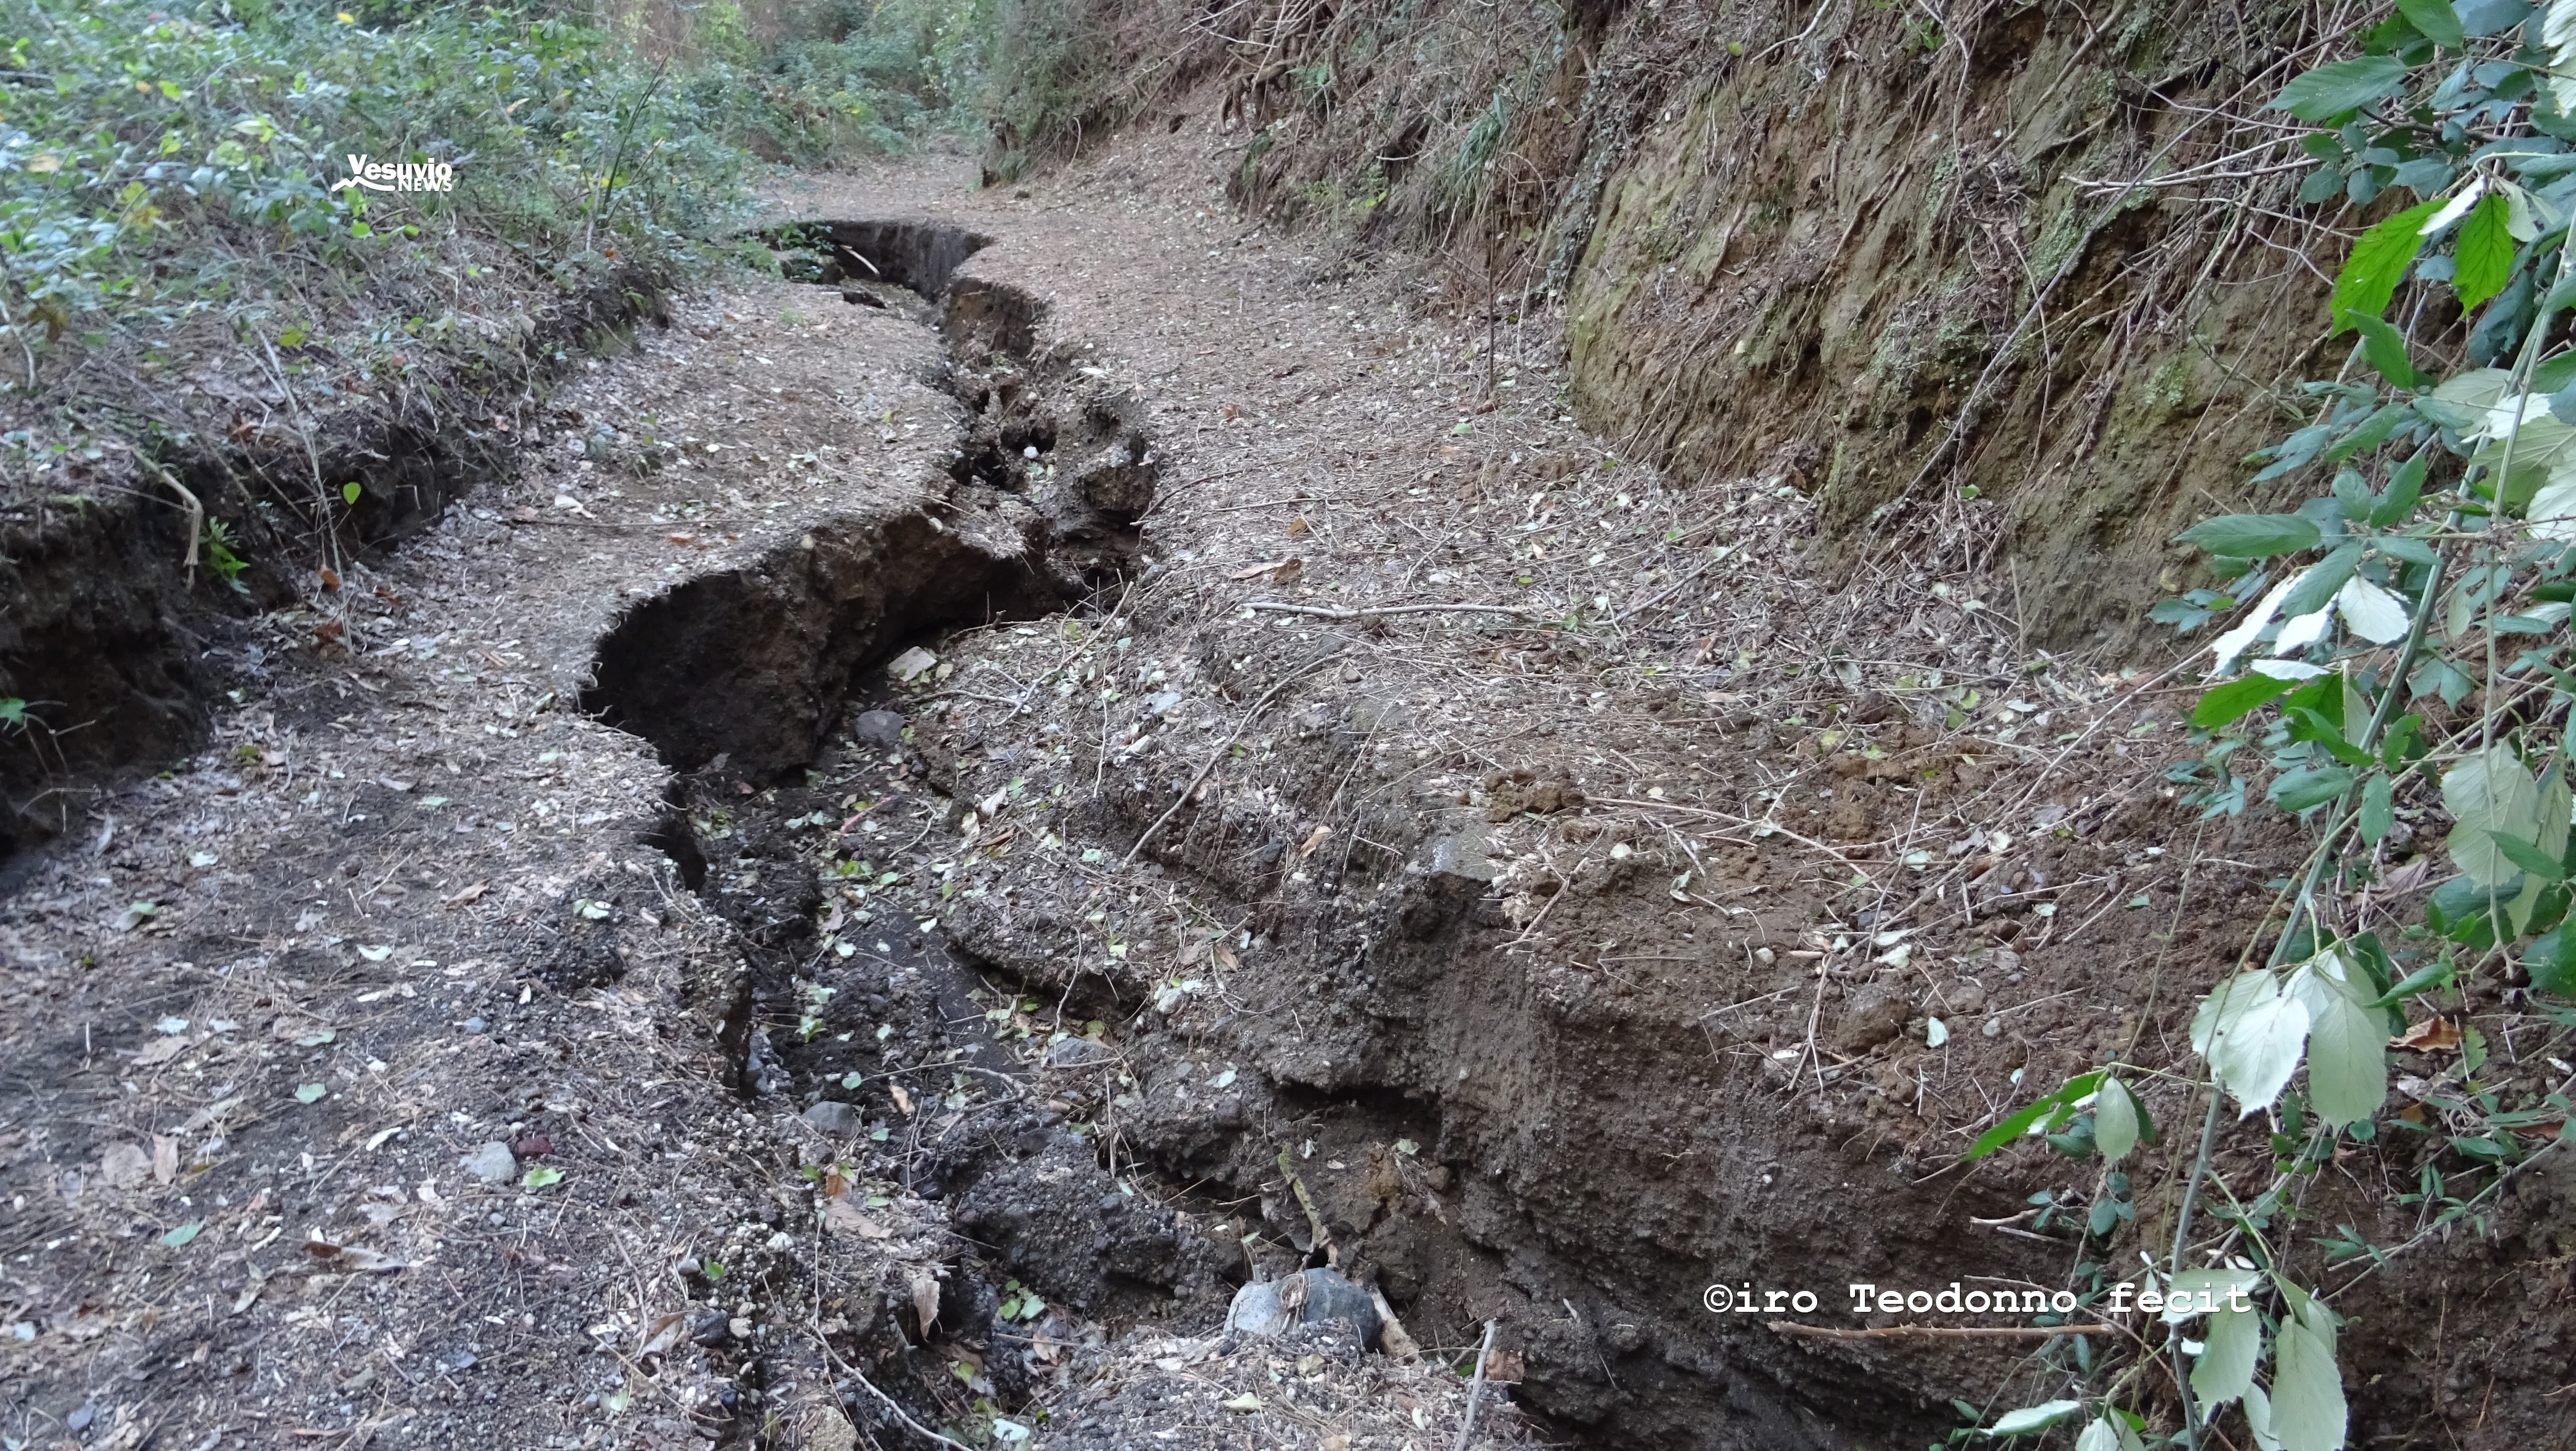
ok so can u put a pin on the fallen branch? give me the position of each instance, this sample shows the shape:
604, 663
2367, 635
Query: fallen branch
196, 511
1241, 726
1947, 1332
1476, 1391
1772, 826
1326, 612
1392, 1338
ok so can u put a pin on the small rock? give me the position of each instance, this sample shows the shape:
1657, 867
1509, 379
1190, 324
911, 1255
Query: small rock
711, 1329
493, 1163
1077, 1053
475, 1025
1875, 1019
832, 1431
1262, 1310
911, 665
534, 1146
840, 1120
878, 727
1120, 481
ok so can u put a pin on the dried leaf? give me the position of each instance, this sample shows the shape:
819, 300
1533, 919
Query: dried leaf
470, 894
358, 1260
165, 1158
159, 1051
2431, 1035
840, 1216
902, 1100
666, 1331
125, 1165
925, 1300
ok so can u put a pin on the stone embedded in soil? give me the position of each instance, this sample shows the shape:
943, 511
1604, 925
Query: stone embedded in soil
878, 727
493, 1163
1266, 1309
1077, 1053
840, 1120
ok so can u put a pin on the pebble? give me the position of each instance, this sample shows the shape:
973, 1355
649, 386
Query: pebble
493, 1163
878, 727
840, 1120
1075, 1053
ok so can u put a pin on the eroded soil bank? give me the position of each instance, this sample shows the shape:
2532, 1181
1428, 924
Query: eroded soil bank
927, 836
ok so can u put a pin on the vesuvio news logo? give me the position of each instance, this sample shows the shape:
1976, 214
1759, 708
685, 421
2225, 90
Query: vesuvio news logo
377, 175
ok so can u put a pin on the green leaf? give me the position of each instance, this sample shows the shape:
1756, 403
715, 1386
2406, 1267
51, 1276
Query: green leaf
2033, 1418
2316, 587
2117, 1116
2394, 746
2489, 794
2308, 724
2253, 536
2251, 1032
2369, 434
2347, 1042
2405, 489
2308, 1412
2378, 808
2226, 702
2484, 253
181, 1237
2019, 1123
2551, 961
541, 1176
2385, 347
2378, 263
2458, 910
2310, 786
2234, 1340
309, 1093
2438, 974
2180, 613
349, 492
2436, 21
2330, 90
2549, 839
2531, 859
2098, 1436
2398, 546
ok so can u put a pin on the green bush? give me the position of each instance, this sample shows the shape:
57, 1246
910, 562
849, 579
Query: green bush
174, 195
148, 156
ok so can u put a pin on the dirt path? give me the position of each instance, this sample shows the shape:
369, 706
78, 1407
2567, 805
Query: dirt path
1361, 819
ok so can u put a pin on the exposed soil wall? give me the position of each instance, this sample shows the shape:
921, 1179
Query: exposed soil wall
1884, 255
116, 626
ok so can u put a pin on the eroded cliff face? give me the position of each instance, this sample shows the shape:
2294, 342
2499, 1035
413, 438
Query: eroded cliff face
1886, 266
1889, 253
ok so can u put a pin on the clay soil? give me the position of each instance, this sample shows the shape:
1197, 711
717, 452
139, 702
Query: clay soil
946, 817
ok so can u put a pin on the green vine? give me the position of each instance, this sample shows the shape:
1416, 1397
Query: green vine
2389, 656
